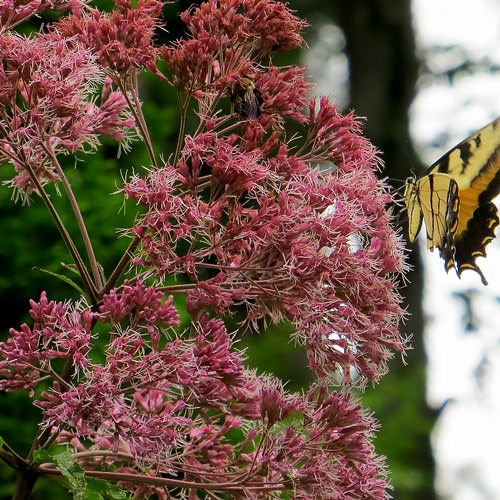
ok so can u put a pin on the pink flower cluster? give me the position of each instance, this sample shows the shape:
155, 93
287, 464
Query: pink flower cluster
14, 12
186, 404
243, 214
227, 38
63, 331
59, 331
122, 40
269, 222
275, 233
47, 93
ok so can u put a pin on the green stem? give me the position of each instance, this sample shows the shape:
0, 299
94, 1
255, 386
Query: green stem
180, 137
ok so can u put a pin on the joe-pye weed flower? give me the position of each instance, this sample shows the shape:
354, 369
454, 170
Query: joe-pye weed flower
244, 215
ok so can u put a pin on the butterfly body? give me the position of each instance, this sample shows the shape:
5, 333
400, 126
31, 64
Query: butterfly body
454, 198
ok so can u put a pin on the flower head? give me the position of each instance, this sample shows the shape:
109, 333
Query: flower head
47, 89
14, 12
226, 39
241, 218
122, 40
289, 239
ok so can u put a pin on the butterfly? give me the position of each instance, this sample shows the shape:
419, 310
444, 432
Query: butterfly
246, 99
454, 198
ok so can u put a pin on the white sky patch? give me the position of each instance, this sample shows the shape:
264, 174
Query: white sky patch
443, 115
475, 471
455, 355
470, 23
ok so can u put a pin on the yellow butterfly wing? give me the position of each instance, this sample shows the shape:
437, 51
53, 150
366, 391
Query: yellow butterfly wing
434, 198
413, 208
474, 165
474, 159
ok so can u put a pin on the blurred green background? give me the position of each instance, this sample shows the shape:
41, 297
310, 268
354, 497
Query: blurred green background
382, 75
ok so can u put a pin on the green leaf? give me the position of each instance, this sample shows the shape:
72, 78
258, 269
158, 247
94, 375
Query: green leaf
63, 278
70, 470
104, 489
71, 267
82, 487
73, 473
41, 455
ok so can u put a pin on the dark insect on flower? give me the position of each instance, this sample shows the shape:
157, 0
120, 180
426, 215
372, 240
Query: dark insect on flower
246, 99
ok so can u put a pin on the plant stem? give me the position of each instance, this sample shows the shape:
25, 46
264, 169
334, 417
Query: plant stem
25, 482
136, 108
78, 216
182, 126
149, 480
27, 476
125, 259
87, 280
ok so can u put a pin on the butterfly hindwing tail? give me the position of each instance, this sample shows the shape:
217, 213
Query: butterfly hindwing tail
472, 242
